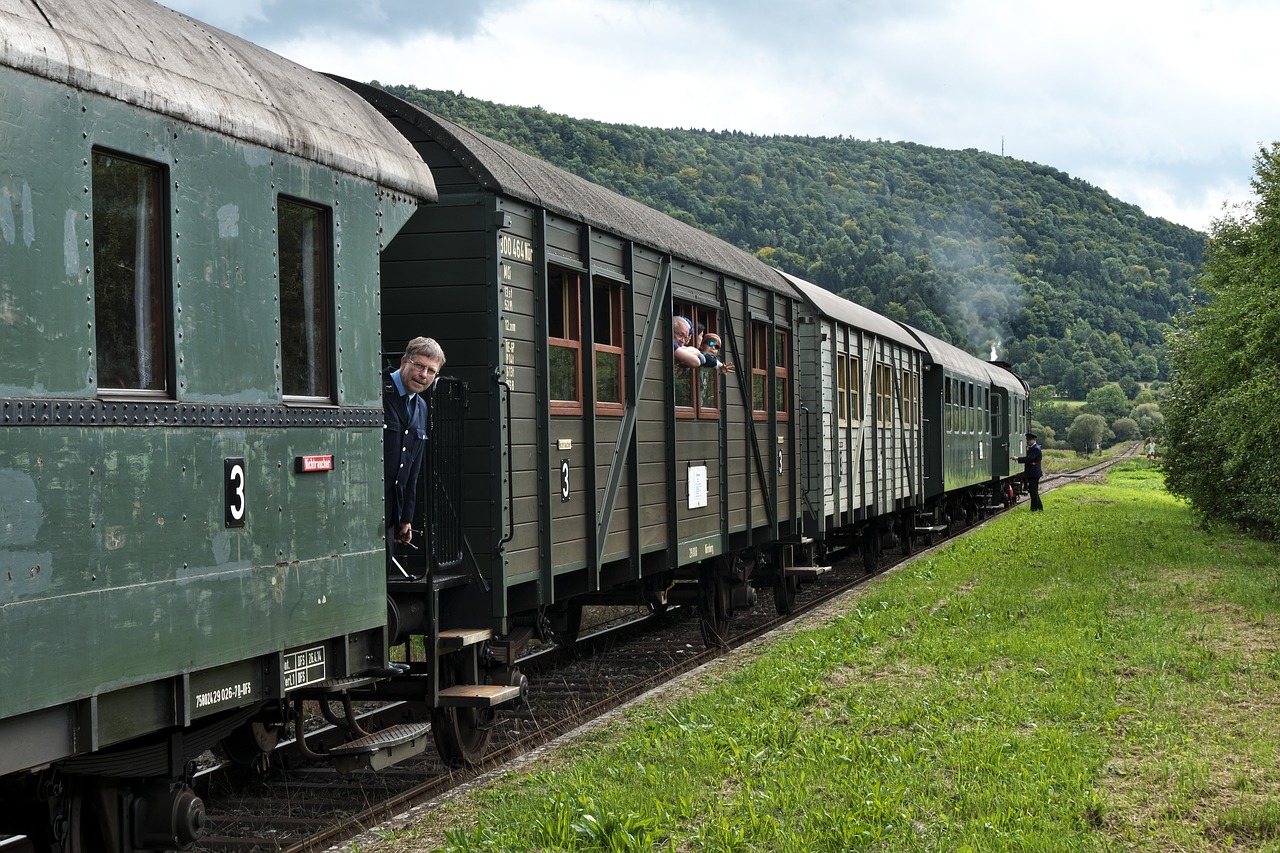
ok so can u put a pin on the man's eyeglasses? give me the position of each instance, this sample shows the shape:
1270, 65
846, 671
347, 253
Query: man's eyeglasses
423, 368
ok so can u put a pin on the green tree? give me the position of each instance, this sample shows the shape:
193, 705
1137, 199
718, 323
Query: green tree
1221, 417
1126, 429
1088, 432
1148, 418
1109, 401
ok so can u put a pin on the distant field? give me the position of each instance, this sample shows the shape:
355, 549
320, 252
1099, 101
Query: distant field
1100, 676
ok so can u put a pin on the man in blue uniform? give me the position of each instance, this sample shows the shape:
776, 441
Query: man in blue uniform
1032, 470
406, 411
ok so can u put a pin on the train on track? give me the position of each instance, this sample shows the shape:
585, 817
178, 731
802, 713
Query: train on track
208, 253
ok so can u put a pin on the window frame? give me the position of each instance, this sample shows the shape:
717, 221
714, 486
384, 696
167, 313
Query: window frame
570, 316
855, 389
160, 314
615, 349
700, 378
323, 352
884, 395
782, 373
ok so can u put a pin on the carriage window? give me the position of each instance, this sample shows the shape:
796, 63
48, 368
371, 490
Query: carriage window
306, 288
697, 390
855, 390
842, 390
130, 275
759, 369
996, 430
782, 372
884, 395
607, 307
948, 405
910, 396
564, 336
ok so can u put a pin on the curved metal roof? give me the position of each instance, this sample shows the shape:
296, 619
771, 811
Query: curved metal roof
500, 168
144, 54
1007, 379
955, 359
838, 308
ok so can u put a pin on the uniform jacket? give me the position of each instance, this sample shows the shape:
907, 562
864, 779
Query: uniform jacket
404, 443
1031, 462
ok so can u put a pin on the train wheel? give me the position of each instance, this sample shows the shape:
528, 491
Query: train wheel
713, 607
870, 549
784, 593
462, 734
71, 822
568, 624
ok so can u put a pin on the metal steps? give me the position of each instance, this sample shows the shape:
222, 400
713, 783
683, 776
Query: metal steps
381, 749
477, 695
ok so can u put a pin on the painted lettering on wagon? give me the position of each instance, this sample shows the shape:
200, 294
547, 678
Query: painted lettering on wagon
516, 248
224, 694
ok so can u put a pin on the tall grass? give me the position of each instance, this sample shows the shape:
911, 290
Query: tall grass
1100, 676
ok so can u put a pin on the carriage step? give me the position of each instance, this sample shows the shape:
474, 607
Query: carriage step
994, 507
933, 528
804, 574
381, 749
478, 695
334, 685
458, 638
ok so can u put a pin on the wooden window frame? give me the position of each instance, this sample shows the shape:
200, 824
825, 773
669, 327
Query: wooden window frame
564, 313
608, 322
884, 394
699, 377
782, 373
842, 390
855, 390
759, 355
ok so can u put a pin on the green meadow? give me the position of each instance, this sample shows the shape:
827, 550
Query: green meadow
1100, 676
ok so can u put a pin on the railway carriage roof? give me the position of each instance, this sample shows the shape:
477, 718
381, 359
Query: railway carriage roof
970, 366
500, 168
838, 308
141, 53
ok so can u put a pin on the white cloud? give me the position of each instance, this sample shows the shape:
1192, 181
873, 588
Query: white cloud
1162, 104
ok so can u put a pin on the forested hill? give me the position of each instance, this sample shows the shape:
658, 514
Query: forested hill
1075, 287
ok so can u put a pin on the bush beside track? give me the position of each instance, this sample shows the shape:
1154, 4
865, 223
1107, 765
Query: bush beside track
1100, 675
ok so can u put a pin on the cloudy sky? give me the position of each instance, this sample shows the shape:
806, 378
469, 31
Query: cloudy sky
1163, 103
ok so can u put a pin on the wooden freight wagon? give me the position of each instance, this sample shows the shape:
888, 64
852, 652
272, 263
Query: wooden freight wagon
594, 469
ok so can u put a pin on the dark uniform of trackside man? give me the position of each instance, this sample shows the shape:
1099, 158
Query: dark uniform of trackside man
1032, 470
405, 406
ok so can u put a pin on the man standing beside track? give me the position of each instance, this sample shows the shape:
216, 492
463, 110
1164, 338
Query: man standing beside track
404, 437
1032, 470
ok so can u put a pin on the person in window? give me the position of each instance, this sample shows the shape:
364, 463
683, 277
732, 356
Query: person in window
405, 405
712, 353
687, 354
687, 346
1032, 470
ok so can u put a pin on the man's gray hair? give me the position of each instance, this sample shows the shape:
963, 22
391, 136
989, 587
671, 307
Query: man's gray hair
426, 347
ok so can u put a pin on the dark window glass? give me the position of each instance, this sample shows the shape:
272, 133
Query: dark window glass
306, 337
130, 276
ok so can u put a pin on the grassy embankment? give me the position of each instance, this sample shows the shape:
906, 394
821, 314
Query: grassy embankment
1101, 676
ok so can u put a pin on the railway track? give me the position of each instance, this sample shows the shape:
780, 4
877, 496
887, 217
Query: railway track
288, 805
